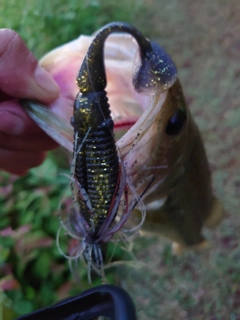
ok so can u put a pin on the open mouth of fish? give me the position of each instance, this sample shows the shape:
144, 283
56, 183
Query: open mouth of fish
156, 137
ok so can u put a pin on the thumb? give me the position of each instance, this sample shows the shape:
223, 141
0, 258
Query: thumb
20, 74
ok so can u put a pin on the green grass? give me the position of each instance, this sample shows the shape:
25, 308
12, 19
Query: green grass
203, 40
47, 24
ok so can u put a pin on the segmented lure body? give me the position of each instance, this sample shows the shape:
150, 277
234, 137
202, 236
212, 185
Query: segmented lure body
97, 164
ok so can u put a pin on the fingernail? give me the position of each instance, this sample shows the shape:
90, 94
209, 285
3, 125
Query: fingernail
45, 81
10, 123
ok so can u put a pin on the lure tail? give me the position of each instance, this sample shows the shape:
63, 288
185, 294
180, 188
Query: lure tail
156, 69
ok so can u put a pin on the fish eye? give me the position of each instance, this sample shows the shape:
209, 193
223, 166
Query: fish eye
176, 122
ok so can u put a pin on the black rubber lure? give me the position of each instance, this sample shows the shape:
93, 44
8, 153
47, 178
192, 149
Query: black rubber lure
99, 182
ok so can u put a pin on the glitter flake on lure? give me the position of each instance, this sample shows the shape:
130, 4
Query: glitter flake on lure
160, 139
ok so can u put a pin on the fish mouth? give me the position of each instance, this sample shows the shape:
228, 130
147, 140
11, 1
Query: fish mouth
168, 169
137, 124
135, 137
122, 125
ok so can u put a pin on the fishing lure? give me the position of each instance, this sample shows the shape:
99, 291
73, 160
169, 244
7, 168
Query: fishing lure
99, 178
161, 142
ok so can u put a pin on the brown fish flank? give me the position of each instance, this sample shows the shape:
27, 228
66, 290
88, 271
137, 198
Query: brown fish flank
180, 201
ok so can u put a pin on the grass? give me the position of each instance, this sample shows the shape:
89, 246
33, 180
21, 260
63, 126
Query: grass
45, 25
202, 38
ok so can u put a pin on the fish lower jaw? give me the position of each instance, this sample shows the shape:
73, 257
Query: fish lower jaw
216, 215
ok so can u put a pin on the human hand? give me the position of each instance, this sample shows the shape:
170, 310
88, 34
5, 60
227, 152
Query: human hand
22, 143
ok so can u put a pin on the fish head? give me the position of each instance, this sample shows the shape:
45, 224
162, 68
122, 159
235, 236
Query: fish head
150, 123
157, 140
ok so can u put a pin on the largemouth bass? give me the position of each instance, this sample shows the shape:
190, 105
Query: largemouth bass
158, 140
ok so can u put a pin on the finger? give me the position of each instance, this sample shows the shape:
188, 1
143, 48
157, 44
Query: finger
15, 121
21, 161
33, 144
20, 74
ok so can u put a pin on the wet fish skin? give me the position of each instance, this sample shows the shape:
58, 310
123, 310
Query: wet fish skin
183, 203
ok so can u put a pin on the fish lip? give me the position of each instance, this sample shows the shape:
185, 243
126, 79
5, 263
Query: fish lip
144, 123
